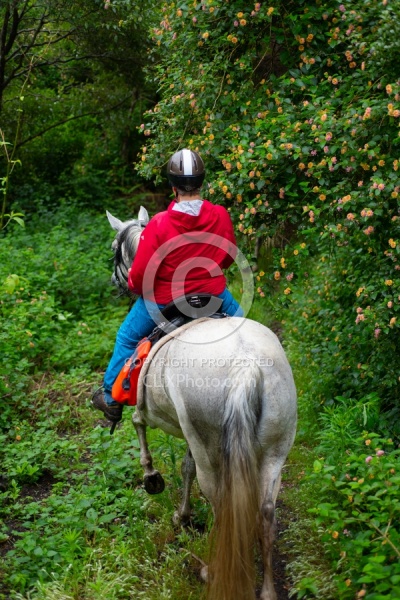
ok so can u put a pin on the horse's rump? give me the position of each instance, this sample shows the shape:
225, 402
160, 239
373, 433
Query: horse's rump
190, 381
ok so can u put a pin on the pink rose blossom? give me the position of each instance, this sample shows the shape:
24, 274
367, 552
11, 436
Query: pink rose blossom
367, 113
368, 459
380, 452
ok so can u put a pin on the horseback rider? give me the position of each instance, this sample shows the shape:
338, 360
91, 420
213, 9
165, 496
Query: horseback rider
181, 251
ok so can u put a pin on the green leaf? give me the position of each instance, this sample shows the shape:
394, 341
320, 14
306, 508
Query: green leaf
317, 466
19, 221
10, 283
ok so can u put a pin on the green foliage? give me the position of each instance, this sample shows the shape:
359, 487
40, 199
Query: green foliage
308, 568
359, 509
64, 259
337, 330
74, 519
70, 102
299, 128
94, 517
53, 308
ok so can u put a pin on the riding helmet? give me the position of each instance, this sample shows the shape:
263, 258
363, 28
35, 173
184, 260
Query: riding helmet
185, 170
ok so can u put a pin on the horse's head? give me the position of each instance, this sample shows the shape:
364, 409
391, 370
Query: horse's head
125, 245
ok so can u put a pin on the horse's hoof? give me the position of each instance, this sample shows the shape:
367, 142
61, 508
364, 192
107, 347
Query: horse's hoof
154, 483
180, 520
204, 574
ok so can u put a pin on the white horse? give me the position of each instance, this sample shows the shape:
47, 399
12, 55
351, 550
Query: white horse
226, 387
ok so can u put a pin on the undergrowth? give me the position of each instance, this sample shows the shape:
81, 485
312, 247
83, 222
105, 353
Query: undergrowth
75, 522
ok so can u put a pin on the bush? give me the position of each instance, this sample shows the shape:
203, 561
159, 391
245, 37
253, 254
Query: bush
299, 128
53, 303
359, 512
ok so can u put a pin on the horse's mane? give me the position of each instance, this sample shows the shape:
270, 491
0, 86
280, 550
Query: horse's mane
125, 246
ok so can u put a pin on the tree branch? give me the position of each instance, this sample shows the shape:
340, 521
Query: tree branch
74, 118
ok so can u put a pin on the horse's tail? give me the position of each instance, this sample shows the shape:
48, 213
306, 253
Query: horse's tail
232, 573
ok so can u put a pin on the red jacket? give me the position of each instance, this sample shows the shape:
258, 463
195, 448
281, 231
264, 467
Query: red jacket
183, 254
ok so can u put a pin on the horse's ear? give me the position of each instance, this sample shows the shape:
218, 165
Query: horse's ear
143, 215
114, 222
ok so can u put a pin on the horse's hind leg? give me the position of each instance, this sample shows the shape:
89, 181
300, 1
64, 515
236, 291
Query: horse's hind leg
267, 540
153, 481
271, 488
188, 470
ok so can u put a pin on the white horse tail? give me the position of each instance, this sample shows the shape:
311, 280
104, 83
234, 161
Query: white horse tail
232, 574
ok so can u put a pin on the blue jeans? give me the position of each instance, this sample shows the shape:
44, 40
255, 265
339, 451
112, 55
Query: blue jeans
138, 324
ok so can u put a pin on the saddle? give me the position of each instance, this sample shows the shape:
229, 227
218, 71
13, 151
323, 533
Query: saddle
177, 313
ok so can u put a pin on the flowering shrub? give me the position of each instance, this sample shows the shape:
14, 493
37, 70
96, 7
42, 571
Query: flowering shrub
296, 107
360, 515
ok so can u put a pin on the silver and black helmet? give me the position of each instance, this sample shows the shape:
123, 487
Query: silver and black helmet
185, 170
